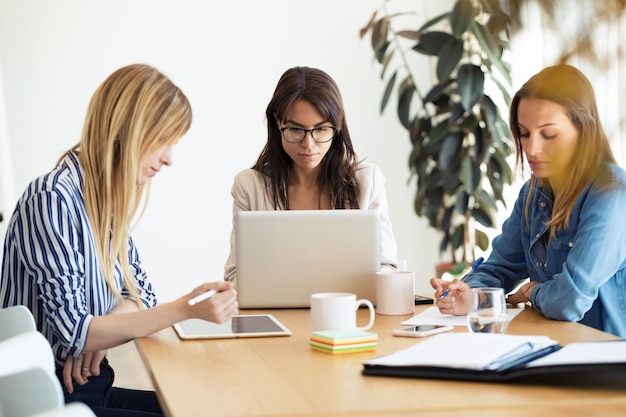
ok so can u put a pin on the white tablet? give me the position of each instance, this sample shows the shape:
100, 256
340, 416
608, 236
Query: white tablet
251, 325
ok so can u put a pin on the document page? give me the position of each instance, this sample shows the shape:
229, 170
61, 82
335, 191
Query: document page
432, 316
585, 353
464, 350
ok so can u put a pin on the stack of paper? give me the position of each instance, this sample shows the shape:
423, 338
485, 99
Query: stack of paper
498, 357
343, 341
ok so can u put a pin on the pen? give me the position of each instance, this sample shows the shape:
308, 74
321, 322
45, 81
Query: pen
475, 265
201, 297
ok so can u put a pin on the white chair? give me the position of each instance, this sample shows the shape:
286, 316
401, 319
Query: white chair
25, 351
27, 392
15, 320
29, 386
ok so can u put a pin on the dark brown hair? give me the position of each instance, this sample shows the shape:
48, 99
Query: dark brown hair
339, 164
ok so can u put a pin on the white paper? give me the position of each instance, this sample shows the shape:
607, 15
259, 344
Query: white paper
585, 353
432, 316
460, 350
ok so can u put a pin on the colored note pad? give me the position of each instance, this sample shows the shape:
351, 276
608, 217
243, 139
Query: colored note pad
343, 337
346, 348
343, 341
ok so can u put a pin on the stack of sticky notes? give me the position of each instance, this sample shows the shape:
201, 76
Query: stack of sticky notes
343, 341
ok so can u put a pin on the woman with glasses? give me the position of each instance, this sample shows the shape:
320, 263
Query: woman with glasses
308, 162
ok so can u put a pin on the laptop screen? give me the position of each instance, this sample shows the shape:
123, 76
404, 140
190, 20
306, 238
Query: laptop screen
285, 256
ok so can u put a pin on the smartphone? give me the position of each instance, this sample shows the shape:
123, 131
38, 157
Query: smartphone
421, 330
419, 299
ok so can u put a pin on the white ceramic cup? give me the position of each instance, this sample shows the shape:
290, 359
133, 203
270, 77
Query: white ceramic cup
337, 311
395, 292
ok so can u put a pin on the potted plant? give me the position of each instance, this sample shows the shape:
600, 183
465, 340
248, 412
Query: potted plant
460, 143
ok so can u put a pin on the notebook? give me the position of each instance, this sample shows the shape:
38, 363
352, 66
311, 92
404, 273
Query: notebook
285, 256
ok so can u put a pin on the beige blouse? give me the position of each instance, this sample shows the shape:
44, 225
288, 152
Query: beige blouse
249, 194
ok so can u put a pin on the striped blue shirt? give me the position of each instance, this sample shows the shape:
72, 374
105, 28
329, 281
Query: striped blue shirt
50, 263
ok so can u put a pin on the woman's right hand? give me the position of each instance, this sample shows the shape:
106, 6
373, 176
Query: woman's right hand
218, 308
458, 299
80, 369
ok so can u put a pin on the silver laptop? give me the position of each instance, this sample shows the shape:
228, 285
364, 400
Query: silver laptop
285, 256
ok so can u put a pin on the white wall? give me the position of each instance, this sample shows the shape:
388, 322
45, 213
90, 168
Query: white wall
7, 189
227, 57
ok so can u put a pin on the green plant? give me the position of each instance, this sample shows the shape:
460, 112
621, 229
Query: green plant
460, 143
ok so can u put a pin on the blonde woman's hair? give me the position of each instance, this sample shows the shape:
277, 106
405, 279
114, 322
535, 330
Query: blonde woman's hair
569, 88
134, 109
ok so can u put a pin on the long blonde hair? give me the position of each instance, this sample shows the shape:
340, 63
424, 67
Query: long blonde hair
568, 87
135, 108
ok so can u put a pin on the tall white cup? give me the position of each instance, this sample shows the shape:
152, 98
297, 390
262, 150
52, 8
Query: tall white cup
337, 311
395, 292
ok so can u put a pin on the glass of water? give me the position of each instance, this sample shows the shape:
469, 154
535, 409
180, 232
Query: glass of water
487, 313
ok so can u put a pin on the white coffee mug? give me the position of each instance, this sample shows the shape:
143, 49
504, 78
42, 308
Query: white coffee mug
395, 292
337, 311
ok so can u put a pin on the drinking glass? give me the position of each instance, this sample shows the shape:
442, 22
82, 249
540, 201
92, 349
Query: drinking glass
487, 312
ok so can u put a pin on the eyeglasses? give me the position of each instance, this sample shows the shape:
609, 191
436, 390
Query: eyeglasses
320, 134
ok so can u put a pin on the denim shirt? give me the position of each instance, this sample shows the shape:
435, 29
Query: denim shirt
581, 273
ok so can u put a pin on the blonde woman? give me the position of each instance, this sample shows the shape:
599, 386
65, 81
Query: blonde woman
566, 233
68, 255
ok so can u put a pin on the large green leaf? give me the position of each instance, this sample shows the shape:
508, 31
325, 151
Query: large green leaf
381, 52
430, 43
438, 132
449, 56
458, 237
433, 22
462, 201
491, 112
385, 63
380, 31
504, 90
482, 240
470, 173
483, 217
470, 122
451, 181
492, 50
419, 130
449, 150
446, 220
462, 15
408, 34
484, 199
405, 96
471, 81
390, 84
481, 141
456, 114
437, 91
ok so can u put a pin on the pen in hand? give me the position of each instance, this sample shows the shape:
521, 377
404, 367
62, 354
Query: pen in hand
475, 265
201, 297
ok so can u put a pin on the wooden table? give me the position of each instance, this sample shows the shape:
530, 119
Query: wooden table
283, 376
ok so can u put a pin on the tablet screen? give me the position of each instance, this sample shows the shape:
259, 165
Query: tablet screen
251, 325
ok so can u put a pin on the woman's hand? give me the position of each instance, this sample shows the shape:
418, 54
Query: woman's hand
218, 308
522, 295
458, 299
79, 369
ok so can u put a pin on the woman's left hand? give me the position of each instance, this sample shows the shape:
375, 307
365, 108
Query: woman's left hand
79, 369
522, 295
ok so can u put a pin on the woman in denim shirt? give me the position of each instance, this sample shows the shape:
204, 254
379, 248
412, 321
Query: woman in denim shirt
567, 231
